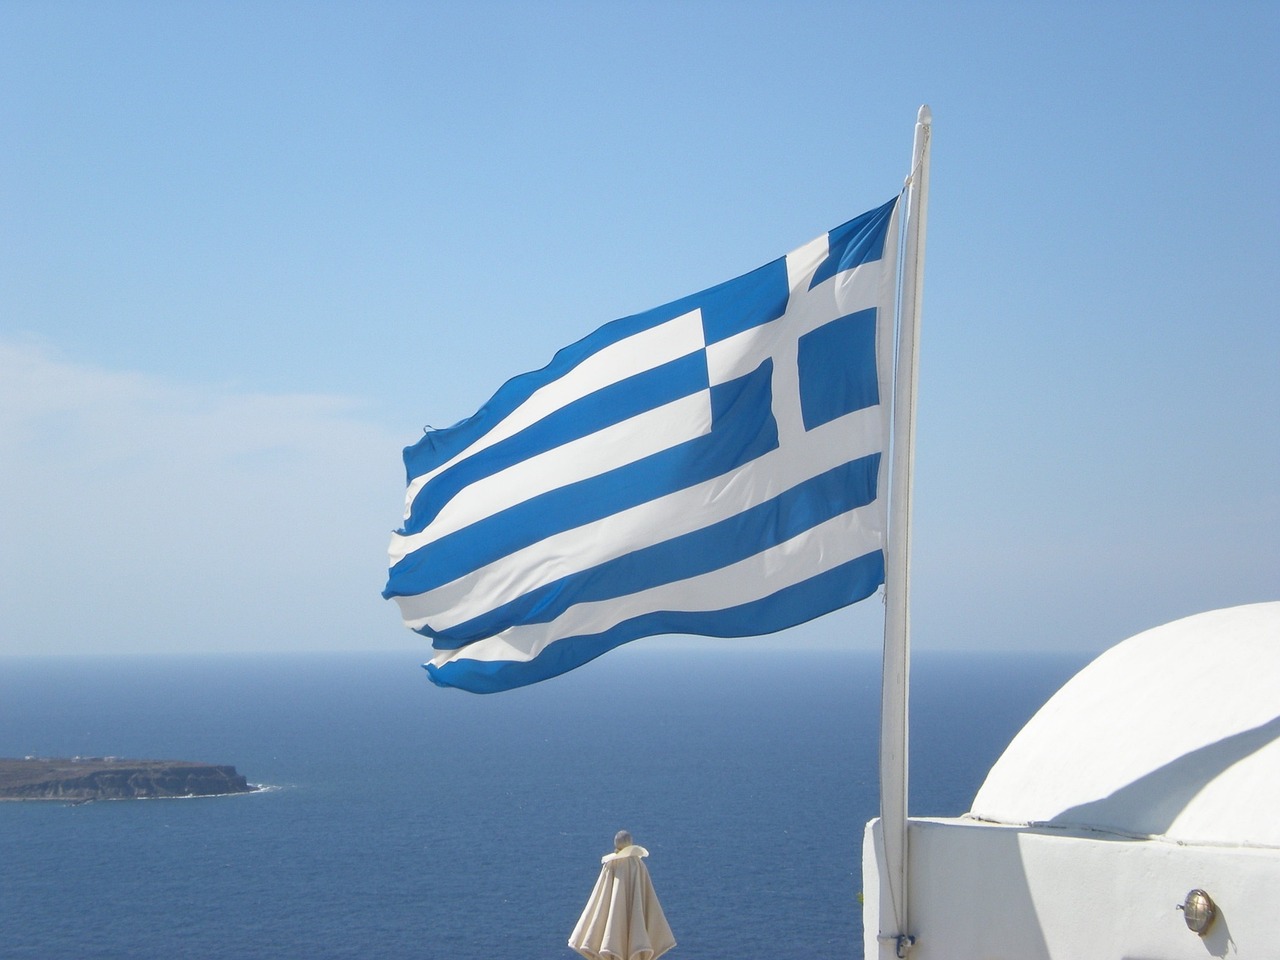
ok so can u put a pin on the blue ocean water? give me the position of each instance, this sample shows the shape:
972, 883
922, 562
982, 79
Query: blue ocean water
406, 821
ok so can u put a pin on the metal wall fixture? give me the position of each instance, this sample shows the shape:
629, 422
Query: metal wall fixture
1198, 911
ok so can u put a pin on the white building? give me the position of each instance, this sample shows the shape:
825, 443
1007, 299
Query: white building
1153, 773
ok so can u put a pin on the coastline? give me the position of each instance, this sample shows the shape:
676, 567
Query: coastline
77, 780
254, 788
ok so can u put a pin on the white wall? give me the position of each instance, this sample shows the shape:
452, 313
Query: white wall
990, 892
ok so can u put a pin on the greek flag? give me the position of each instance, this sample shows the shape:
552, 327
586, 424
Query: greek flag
709, 467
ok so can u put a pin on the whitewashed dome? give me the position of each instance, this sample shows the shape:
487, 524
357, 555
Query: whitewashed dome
1173, 733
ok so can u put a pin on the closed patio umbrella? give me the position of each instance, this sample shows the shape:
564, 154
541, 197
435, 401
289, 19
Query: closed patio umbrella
623, 919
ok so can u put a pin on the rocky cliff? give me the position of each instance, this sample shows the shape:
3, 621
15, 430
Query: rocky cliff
109, 778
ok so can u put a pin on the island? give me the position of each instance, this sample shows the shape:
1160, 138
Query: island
81, 779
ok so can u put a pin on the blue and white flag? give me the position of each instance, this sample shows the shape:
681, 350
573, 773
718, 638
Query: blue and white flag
709, 467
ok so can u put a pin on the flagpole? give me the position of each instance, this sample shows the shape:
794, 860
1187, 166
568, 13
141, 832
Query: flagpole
897, 624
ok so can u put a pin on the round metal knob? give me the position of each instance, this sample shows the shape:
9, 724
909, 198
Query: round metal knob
1198, 911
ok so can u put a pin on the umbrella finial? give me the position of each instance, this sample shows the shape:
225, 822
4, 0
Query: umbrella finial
621, 839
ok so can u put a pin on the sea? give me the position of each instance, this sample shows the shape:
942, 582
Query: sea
399, 820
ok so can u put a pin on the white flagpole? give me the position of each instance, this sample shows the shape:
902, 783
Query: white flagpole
897, 623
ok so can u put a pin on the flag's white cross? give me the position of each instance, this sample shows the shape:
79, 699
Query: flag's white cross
807, 310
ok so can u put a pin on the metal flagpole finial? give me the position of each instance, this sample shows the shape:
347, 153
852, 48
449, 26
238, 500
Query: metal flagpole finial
924, 128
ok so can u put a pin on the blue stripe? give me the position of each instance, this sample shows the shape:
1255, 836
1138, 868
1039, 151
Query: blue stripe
440, 446
617, 402
751, 300
831, 590
851, 244
743, 430
847, 487
727, 308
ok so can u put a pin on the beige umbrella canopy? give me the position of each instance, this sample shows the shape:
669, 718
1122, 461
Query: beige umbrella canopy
623, 919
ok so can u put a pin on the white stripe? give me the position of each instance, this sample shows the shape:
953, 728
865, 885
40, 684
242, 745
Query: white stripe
821, 548
847, 438
643, 351
615, 446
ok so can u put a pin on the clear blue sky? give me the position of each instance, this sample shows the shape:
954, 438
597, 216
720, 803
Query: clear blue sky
249, 250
